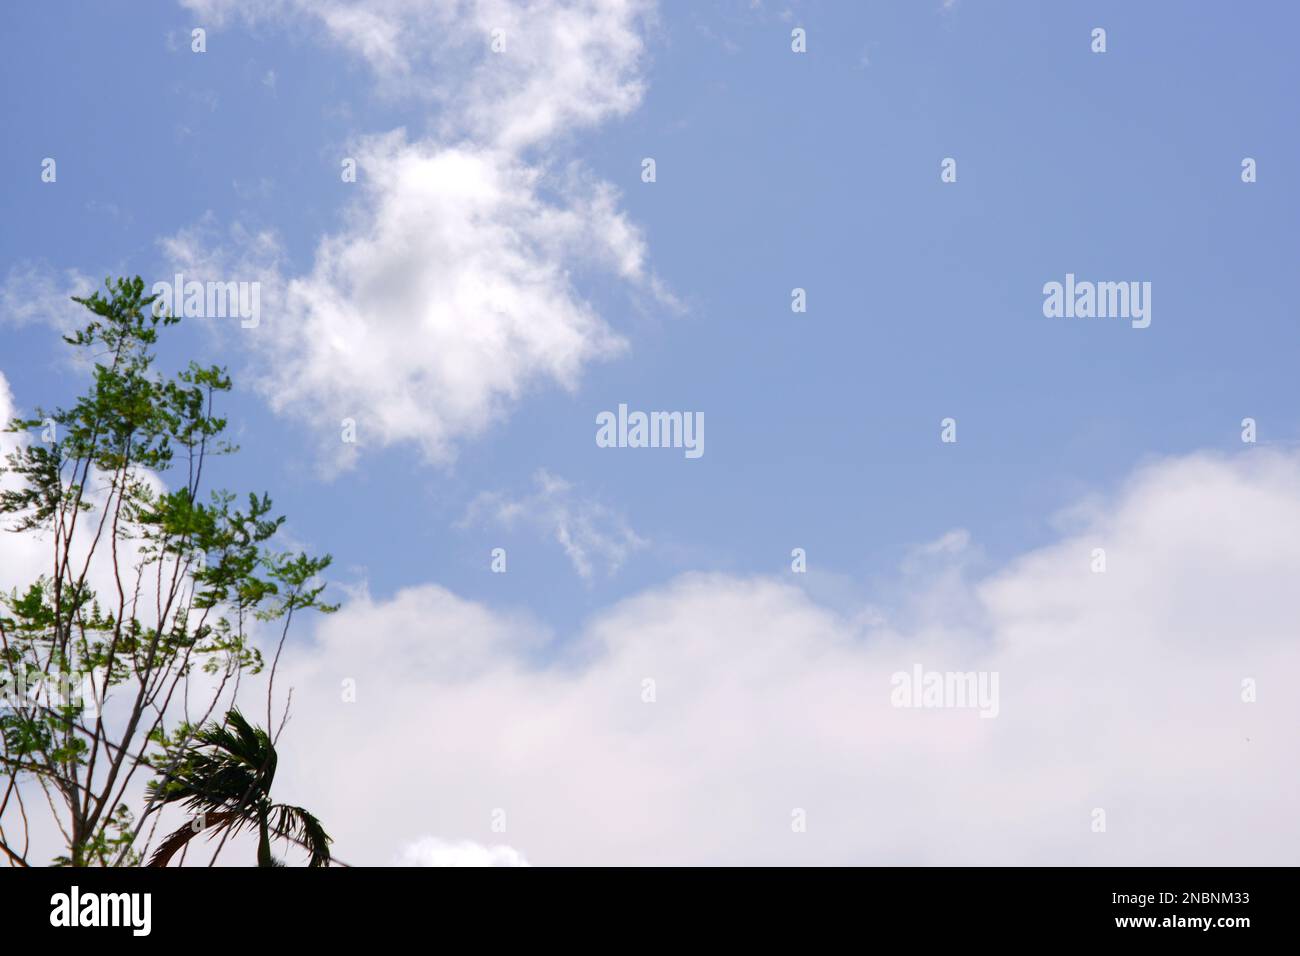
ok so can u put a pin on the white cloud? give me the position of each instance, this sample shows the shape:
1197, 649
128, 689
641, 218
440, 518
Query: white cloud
445, 300
453, 288
588, 531
430, 851
19, 554
1118, 691
8, 409
34, 292
565, 63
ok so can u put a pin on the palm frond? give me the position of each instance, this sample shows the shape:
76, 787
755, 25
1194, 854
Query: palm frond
182, 835
229, 764
299, 826
227, 776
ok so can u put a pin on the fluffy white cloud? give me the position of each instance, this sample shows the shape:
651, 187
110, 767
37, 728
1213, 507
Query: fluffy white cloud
445, 300
430, 851
20, 555
590, 532
453, 287
7, 410
1119, 690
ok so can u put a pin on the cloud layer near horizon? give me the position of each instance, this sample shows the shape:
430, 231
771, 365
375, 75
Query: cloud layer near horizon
1119, 690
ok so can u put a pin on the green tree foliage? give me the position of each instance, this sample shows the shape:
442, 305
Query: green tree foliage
148, 591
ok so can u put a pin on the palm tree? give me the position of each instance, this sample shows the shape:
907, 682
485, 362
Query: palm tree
227, 779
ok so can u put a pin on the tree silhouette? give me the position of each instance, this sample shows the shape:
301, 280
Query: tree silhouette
225, 782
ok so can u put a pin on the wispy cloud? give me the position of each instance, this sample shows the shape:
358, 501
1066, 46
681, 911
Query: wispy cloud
430, 851
592, 535
35, 292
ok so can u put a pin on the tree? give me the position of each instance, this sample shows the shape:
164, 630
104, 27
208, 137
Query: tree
226, 782
148, 595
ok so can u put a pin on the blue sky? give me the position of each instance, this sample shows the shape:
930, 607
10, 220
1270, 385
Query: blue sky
775, 170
